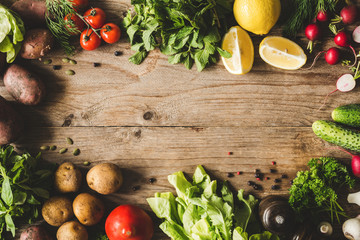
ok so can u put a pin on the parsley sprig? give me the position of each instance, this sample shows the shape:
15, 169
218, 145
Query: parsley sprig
187, 31
315, 191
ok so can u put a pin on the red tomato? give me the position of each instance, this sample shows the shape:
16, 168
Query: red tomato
73, 22
110, 33
95, 17
129, 222
89, 40
79, 4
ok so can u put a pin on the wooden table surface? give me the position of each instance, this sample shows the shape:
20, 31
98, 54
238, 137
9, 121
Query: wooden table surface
155, 119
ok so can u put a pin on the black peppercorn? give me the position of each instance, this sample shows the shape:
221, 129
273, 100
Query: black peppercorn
256, 187
117, 53
272, 170
275, 187
135, 188
230, 174
96, 64
250, 183
284, 176
277, 180
56, 67
152, 180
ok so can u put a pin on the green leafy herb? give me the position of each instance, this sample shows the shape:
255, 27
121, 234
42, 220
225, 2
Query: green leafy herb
12, 32
188, 31
305, 11
25, 184
314, 191
203, 210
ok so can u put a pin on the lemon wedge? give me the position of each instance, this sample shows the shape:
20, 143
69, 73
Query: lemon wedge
238, 42
282, 53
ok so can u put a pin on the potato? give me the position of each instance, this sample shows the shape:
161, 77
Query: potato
32, 12
72, 230
11, 124
35, 232
37, 43
67, 178
2, 62
105, 178
57, 210
88, 209
24, 86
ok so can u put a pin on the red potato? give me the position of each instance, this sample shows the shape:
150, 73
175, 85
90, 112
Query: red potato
11, 124
37, 43
24, 86
35, 232
32, 12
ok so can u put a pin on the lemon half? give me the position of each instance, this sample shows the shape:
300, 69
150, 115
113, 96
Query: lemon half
238, 42
282, 53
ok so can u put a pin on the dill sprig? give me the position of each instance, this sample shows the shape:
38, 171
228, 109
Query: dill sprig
305, 11
56, 12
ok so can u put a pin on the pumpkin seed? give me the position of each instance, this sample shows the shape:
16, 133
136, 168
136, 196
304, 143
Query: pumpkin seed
63, 150
52, 147
70, 72
44, 148
86, 163
65, 60
76, 152
69, 141
47, 61
73, 62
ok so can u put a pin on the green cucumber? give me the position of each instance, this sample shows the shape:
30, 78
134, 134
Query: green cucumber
337, 134
347, 114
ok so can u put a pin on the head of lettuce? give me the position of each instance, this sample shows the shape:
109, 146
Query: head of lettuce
12, 32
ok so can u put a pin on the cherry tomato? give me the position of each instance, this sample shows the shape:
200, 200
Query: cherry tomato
95, 17
89, 40
79, 4
129, 222
74, 24
110, 33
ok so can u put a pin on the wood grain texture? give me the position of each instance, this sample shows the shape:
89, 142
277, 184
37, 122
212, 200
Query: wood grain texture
155, 119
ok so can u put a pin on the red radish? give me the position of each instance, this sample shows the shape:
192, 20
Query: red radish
332, 57
356, 34
355, 162
313, 33
322, 16
345, 83
348, 14
342, 39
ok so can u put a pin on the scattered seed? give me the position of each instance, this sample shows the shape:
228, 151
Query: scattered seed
52, 147
284, 176
65, 60
69, 141
255, 186
56, 67
257, 175
96, 64
275, 187
230, 153
86, 163
272, 171
267, 178
117, 53
273, 163
259, 179
239, 173
230, 174
256, 170
135, 188
250, 183
277, 180
63, 150
44, 148
47, 61
69, 72
76, 152
73, 62
152, 180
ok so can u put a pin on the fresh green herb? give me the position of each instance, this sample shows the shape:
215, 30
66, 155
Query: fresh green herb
204, 210
187, 31
305, 11
314, 191
56, 12
24, 185
12, 31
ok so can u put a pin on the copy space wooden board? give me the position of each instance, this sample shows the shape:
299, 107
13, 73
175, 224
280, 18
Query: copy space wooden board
155, 119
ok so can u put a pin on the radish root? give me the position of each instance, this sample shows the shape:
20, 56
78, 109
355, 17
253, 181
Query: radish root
327, 96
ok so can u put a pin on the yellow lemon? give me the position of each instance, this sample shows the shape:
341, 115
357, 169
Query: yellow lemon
238, 42
282, 53
257, 16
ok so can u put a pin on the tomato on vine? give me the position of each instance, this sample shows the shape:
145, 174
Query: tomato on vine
79, 4
95, 17
110, 33
89, 40
74, 24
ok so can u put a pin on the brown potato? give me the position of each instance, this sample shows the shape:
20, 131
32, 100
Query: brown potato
11, 124
57, 210
105, 178
88, 209
37, 43
24, 86
72, 230
67, 178
32, 12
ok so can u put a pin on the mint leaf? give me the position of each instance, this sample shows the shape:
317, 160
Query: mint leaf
138, 57
223, 52
6, 192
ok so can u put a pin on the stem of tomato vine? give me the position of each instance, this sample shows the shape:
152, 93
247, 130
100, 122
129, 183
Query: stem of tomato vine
88, 25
